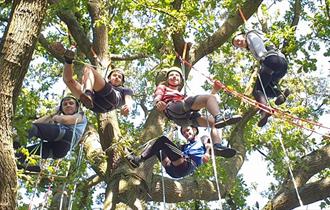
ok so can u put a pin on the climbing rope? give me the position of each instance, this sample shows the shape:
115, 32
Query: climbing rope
163, 182
294, 120
287, 160
214, 163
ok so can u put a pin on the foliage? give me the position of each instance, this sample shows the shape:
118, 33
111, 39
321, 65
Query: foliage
141, 26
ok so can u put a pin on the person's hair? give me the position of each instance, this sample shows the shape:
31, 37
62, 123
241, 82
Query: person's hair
120, 71
68, 98
196, 131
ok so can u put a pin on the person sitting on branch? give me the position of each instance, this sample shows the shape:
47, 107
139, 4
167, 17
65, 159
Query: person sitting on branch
184, 110
179, 162
273, 68
58, 133
96, 93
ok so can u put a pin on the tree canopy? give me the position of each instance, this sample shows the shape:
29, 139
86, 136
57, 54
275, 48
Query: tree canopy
143, 37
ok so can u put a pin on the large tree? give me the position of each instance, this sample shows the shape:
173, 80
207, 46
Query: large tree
143, 37
17, 46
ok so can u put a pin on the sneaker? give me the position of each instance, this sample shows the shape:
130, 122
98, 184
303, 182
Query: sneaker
87, 100
264, 118
26, 167
282, 97
227, 119
134, 161
222, 151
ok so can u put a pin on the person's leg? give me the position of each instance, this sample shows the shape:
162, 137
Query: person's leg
99, 81
216, 137
210, 103
169, 151
261, 98
74, 86
48, 132
206, 101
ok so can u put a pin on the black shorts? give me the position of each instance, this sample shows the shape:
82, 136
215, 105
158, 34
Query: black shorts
181, 113
182, 170
105, 100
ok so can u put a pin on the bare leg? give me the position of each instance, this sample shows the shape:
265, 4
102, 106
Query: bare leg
74, 86
206, 101
88, 78
98, 82
215, 136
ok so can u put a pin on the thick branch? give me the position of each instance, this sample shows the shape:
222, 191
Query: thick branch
307, 167
225, 31
116, 57
100, 29
76, 31
310, 193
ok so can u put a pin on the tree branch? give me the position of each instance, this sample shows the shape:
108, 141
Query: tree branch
309, 193
213, 42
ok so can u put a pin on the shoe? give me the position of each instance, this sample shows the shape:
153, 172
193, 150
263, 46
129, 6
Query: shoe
282, 97
87, 100
222, 151
32, 168
134, 161
227, 119
264, 118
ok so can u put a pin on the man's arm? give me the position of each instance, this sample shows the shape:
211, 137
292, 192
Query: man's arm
207, 144
68, 119
127, 107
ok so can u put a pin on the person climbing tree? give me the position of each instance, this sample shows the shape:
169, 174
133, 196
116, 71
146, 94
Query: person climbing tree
180, 162
96, 93
273, 67
58, 133
184, 110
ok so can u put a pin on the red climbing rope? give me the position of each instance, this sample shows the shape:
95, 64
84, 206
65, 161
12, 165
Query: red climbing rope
273, 111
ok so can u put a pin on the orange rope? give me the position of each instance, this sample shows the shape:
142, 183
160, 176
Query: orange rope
273, 111
242, 14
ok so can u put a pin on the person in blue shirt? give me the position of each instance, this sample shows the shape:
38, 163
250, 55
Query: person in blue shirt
180, 162
58, 133
273, 67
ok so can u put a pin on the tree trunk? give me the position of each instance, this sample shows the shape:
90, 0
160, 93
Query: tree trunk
17, 47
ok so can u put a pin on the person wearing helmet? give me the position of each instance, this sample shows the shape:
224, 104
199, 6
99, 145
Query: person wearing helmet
58, 132
178, 161
273, 68
99, 95
184, 111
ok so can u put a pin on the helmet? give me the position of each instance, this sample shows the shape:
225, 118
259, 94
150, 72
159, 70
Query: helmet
120, 71
194, 127
177, 69
69, 97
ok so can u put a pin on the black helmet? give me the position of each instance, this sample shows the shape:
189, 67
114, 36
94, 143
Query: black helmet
196, 129
69, 97
121, 71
